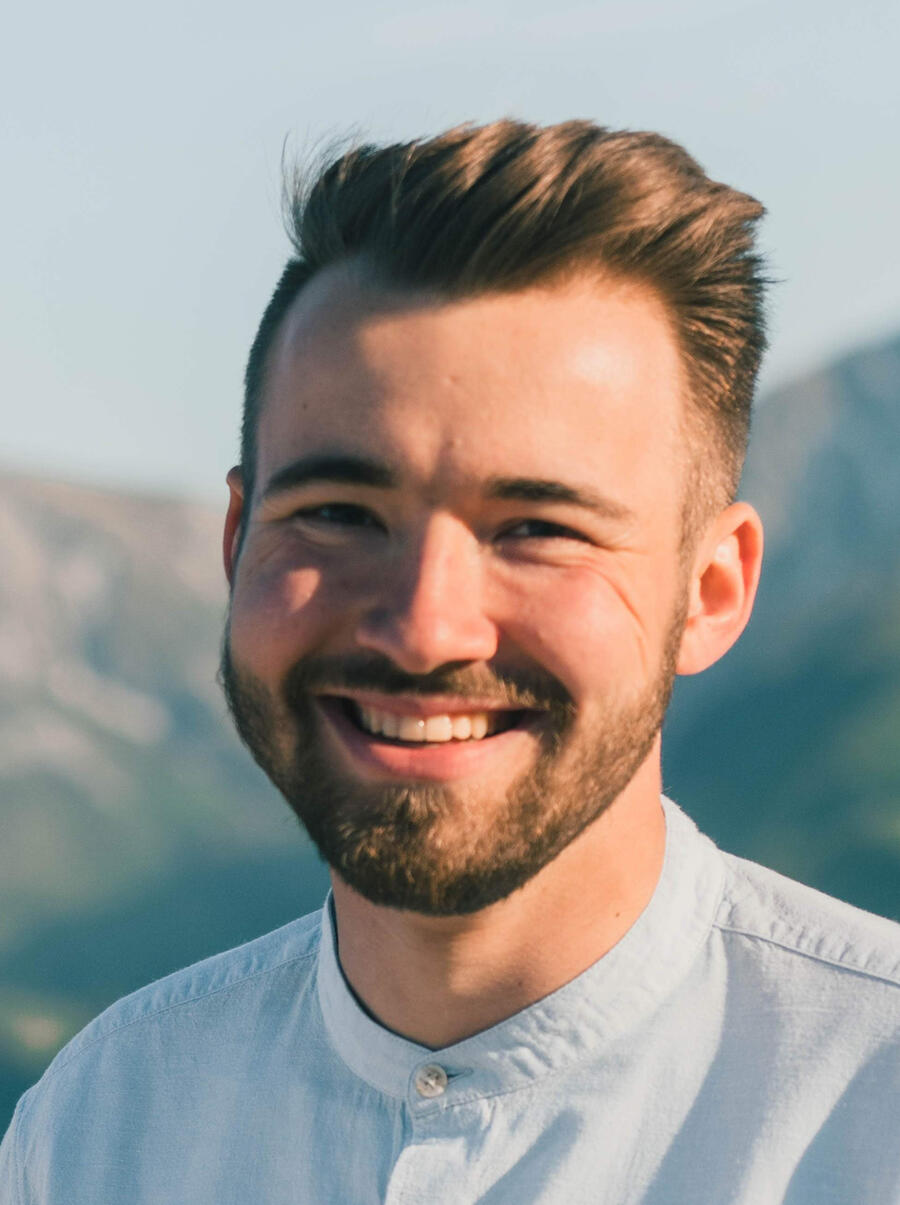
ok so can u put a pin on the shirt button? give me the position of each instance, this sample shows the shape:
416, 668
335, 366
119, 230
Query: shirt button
431, 1080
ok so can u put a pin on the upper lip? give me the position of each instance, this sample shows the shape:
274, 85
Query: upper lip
419, 705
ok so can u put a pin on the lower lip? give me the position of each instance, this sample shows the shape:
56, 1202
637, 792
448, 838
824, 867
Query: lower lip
427, 762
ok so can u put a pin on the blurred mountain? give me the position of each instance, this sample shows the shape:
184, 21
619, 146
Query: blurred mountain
137, 836
788, 750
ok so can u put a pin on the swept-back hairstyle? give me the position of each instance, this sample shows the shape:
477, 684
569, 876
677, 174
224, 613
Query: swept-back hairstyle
501, 207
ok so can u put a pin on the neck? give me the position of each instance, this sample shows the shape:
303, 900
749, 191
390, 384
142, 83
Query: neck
438, 980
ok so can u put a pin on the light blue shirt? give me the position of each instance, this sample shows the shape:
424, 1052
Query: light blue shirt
739, 1046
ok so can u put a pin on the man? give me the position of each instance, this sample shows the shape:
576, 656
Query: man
495, 419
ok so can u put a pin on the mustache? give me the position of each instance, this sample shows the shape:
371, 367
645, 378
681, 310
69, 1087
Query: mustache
518, 689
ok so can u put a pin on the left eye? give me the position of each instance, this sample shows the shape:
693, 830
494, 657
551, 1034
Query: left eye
540, 529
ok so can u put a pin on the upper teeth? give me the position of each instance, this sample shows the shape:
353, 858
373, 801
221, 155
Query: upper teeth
471, 726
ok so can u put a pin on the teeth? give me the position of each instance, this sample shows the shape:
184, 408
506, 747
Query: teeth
434, 728
462, 727
410, 728
438, 728
479, 726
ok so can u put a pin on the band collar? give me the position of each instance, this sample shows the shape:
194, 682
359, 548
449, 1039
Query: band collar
574, 1023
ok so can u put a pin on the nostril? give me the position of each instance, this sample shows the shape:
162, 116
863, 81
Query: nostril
422, 638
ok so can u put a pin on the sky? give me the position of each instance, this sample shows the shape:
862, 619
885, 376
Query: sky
141, 232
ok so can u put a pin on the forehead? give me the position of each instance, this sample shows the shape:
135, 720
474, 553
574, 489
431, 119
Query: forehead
583, 378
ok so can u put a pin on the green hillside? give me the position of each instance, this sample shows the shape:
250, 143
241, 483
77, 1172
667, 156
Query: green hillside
796, 762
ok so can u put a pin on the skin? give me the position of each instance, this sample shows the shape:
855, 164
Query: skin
580, 383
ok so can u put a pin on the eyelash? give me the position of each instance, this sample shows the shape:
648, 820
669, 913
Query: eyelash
344, 509
348, 514
555, 530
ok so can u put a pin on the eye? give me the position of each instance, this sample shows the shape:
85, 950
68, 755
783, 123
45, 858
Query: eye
338, 514
540, 529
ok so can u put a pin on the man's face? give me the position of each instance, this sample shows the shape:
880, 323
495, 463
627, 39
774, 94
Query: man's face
466, 527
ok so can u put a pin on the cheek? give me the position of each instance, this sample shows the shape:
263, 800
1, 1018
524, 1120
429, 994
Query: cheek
276, 615
586, 630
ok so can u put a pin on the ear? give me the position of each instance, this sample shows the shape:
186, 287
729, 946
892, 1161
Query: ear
723, 584
232, 535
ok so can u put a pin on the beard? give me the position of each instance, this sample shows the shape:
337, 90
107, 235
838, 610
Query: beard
435, 849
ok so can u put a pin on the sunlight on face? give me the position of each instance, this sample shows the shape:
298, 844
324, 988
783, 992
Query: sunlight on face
462, 507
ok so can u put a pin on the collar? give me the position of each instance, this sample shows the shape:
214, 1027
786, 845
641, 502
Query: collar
603, 1003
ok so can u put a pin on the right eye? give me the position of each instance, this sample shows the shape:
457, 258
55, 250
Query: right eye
338, 514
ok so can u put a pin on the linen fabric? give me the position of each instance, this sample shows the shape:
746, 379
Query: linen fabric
738, 1046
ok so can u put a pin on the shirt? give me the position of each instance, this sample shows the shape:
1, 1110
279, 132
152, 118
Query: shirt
738, 1045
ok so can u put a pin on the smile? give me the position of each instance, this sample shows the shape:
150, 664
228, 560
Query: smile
415, 738
431, 729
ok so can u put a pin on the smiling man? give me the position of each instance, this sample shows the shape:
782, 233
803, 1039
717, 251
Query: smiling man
495, 420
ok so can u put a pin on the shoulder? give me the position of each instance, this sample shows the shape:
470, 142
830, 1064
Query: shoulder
810, 997
161, 1054
221, 983
793, 922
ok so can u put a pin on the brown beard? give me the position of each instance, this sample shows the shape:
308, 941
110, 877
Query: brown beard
429, 848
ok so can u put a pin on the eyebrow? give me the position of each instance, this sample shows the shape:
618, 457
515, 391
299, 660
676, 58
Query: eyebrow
353, 470
359, 470
537, 489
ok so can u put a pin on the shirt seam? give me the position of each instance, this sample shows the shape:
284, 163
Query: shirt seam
226, 987
793, 949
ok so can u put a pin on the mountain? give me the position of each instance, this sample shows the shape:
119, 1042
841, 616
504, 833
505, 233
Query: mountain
138, 836
117, 762
788, 750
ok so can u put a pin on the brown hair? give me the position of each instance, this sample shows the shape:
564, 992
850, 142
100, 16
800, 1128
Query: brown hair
505, 206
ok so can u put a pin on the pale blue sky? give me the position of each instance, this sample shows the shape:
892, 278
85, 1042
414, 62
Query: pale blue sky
141, 150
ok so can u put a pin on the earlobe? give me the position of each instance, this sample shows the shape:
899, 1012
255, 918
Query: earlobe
231, 537
722, 587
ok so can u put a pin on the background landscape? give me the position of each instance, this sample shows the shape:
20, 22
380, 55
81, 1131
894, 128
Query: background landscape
137, 836
141, 237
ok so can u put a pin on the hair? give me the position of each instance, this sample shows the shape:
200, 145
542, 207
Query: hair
509, 205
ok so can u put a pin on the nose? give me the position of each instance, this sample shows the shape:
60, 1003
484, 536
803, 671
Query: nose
428, 610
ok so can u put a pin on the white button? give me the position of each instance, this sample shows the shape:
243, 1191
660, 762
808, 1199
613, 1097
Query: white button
431, 1080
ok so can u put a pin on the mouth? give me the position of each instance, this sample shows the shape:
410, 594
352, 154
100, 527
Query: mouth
434, 729
419, 740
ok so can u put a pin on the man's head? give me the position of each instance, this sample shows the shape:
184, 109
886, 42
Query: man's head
472, 477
